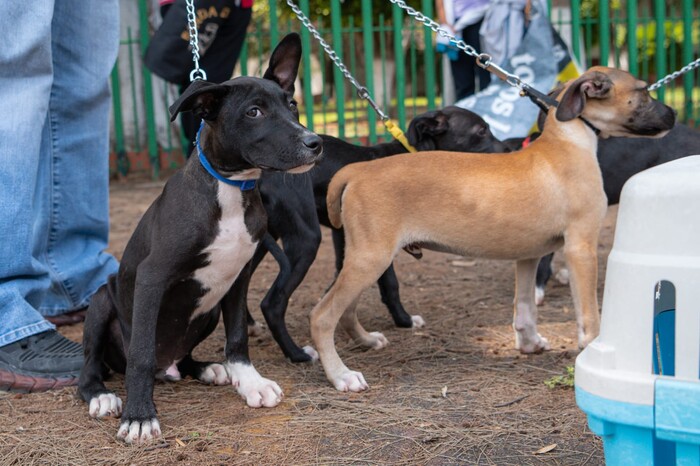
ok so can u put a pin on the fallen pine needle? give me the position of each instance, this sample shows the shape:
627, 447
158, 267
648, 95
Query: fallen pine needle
546, 449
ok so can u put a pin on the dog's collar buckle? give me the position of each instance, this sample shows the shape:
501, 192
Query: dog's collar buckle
243, 185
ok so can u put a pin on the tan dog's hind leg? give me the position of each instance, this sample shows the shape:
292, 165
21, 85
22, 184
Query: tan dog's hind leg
358, 273
352, 325
582, 261
527, 340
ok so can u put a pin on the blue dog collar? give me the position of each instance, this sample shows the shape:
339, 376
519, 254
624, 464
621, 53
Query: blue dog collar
244, 185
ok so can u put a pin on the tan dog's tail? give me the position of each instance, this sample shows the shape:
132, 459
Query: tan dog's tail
334, 196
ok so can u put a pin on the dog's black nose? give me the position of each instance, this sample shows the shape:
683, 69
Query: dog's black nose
313, 142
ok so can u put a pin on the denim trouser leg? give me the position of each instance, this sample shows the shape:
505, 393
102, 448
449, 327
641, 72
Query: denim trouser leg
53, 158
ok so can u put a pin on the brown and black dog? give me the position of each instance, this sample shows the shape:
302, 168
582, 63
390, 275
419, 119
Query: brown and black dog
518, 206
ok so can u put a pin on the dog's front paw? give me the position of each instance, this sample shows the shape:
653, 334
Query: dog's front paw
260, 392
256, 389
535, 346
350, 381
418, 321
215, 374
311, 352
106, 404
377, 340
132, 431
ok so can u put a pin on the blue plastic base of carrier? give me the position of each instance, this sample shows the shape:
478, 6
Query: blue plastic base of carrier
633, 434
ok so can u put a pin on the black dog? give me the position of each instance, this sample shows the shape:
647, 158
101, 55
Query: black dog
619, 160
296, 205
178, 270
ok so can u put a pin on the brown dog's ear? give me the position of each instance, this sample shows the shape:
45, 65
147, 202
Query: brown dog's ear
594, 85
284, 62
202, 98
424, 127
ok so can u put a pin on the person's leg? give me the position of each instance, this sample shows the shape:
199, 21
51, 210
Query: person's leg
218, 62
463, 75
72, 219
470, 34
26, 75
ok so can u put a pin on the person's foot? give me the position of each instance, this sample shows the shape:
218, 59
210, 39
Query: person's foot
40, 362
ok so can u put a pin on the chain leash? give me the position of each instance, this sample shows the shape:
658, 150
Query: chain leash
670, 77
197, 72
482, 59
362, 91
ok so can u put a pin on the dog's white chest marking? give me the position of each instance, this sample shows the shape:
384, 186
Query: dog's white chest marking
232, 248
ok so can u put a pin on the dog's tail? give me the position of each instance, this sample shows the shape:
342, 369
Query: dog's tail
334, 197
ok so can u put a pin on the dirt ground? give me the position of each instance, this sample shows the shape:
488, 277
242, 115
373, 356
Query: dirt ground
453, 392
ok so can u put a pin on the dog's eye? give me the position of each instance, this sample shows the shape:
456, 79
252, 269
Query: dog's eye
483, 131
293, 104
254, 112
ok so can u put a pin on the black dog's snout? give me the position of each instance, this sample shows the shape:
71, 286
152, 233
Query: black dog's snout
313, 142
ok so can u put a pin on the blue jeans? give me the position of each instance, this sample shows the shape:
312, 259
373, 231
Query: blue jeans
54, 146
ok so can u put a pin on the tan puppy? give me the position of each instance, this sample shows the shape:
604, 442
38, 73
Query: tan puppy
518, 206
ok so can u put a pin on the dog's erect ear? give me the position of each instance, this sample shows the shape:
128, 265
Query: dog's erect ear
594, 85
424, 127
284, 62
202, 98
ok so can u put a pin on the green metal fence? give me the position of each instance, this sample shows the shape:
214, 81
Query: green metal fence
394, 58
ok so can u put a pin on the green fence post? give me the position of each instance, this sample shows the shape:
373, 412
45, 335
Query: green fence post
353, 71
576, 30
122, 161
397, 16
660, 52
687, 55
632, 37
243, 59
306, 59
132, 81
337, 32
367, 39
604, 31
429, 57
274, 32
148, 94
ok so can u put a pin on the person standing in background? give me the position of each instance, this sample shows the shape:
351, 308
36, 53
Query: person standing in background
221, 30
54, 181
464, 18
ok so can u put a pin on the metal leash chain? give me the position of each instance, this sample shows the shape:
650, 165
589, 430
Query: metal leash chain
362, 91
482, 59
197, 72
670, 77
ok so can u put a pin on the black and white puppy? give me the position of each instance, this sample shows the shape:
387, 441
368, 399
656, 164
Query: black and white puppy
186, 263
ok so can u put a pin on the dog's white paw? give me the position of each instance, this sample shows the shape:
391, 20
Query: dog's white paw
215, 374
311, 352
539, 295
139, 432
418, 321
377, 340
255, 330
350, 381
106, 404
260, 392
535, 346
562, 276
256, 389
